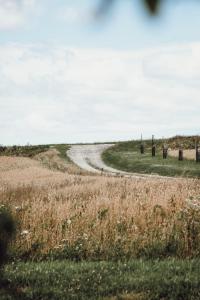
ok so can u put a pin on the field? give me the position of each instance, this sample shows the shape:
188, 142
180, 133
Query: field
72, 224
126, 156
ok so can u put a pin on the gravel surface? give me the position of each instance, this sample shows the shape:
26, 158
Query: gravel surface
88, 157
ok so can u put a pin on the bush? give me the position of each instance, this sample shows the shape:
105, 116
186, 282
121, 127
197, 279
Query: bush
7, 230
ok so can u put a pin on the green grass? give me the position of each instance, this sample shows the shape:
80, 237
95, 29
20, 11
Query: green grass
30, 151
136, 279
62, 148
126, 156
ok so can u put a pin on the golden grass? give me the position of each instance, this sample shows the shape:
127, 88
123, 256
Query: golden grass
11, 163
52, 160
98, 216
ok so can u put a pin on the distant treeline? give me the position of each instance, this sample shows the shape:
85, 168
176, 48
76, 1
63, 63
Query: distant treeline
187, 142
175, 142
26, 151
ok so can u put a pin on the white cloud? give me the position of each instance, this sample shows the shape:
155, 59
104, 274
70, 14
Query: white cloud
14, 13
181, 62
71, 95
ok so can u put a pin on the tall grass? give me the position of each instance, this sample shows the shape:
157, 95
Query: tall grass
105, 218
56, 159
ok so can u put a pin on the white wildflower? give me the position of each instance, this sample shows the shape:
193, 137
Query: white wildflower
18, 208
24, 232
64, 240
85, 236
57, 247
69, 222
193, 203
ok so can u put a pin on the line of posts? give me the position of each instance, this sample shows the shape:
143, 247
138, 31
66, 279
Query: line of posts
165, 150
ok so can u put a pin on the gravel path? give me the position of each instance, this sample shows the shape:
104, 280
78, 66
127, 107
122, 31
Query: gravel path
88, 157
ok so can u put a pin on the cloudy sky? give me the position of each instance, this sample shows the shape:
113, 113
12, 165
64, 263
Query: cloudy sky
66, 77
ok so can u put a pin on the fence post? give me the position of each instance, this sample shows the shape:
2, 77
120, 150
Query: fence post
142, 149
141, 146
197, 152
165, 152
180, 155
153, 147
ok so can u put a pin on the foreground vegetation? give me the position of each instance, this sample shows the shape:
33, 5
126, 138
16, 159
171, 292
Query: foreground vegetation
98, 237
97, 217
126, 156
135, 279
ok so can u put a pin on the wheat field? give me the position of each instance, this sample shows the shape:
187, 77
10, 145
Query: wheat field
82, 215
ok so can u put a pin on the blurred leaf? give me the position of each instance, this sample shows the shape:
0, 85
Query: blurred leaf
105, 5
152, 5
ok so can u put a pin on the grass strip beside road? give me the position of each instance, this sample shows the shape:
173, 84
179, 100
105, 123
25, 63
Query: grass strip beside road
62, 148
126, 157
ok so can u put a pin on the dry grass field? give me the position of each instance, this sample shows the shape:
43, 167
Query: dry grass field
97, 217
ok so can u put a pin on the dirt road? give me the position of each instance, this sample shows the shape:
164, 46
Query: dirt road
88, 157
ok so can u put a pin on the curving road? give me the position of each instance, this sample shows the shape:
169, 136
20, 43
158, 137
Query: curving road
88, 157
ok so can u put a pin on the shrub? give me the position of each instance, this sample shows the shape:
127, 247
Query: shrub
7, 229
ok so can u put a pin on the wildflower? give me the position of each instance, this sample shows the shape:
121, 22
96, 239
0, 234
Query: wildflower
64, 241
24, 232
85, 236
193, 203
69, 222
135, 227
56, 247
18, 208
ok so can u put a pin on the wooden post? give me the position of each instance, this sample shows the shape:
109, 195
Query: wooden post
153, 147
164, 149
197, 151
165, 152
198, 160
180, 155
142, 149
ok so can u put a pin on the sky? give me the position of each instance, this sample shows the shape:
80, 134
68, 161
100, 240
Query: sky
68, 77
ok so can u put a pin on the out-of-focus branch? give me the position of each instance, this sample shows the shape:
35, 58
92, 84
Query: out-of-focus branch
151, 5
104, 6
